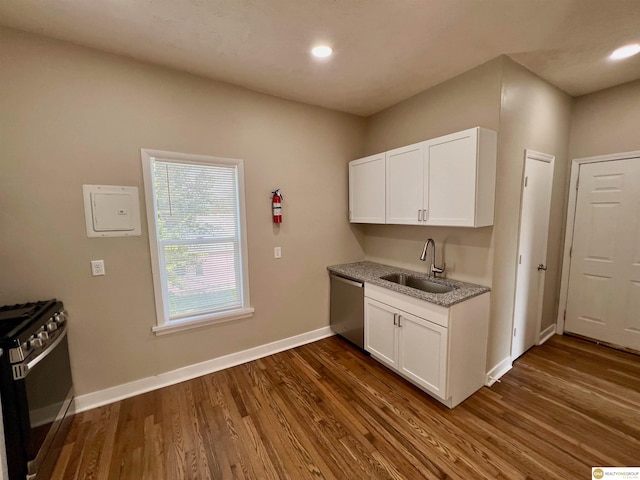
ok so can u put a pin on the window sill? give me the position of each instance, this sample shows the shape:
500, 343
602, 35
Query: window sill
189, 324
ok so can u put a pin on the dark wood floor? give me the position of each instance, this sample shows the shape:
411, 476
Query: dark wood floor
326, 410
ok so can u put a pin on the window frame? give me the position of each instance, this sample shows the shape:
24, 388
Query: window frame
163, 322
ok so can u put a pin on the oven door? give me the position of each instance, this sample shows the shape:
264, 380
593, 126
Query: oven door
48, 389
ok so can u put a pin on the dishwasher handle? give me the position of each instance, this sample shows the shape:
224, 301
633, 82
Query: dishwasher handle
348, 281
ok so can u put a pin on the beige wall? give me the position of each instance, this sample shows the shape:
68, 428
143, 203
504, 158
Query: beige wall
528, 113
534, 115
469, 100
606, 122
72, 116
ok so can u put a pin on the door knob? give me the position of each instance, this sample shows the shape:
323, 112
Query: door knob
541, 267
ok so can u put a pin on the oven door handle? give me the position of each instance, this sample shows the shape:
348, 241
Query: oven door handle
21, 370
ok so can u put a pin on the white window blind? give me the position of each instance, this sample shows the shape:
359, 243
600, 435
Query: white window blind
198, 236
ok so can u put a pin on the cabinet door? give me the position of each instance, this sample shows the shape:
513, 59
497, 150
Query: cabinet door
423, 353
367, 189
452, 179
405, 185
380, 332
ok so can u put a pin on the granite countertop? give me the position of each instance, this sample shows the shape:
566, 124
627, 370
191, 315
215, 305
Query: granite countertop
371, 272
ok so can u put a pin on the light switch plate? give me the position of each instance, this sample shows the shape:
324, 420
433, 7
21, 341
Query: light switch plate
277, 252
97, 268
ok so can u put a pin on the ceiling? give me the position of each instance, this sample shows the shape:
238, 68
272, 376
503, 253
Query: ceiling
384, 50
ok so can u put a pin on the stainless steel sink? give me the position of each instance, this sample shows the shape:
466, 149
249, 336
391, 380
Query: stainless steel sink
417, 283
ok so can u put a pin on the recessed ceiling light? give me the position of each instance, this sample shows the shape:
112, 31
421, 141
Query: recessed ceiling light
321, 51
626, 51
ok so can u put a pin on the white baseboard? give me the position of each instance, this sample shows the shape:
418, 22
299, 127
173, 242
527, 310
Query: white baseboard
144, 385
547, 333
498, 371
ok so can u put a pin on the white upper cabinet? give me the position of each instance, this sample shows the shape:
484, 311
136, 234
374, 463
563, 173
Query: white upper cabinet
366, 189
405, 192
445, 181
462, 178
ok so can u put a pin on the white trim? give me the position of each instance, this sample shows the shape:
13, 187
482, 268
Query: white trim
498, 371
546, 334
137, 387
609, 157
195, 322
543, 157
147, 156
550, 159
571, 213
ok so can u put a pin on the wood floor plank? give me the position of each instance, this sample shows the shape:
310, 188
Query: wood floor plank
307, 464
328, 411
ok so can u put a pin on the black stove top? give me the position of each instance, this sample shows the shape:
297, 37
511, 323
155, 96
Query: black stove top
14, 319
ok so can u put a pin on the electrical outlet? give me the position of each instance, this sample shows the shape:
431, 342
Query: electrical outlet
97, 268
277, 252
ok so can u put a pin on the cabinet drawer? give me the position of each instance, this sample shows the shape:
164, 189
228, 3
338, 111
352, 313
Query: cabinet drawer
420, 308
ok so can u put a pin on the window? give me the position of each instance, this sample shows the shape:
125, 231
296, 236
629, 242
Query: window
197, 235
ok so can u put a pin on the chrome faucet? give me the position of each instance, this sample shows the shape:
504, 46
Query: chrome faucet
433, 270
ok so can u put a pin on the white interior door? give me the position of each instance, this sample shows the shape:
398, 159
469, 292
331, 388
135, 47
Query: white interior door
532, 251
603, 301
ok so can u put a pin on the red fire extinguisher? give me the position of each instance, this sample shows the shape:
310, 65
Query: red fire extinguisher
277, 206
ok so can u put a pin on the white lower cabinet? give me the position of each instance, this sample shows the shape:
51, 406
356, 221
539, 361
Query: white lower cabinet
381, 334
441, 350
422, 352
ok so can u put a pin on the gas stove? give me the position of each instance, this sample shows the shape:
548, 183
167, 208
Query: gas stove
36, 388
27, 326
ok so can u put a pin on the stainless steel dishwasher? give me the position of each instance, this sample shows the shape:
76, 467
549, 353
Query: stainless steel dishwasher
347, 309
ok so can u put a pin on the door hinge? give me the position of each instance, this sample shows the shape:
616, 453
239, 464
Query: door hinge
570, 251
564, 315
526, 181
514, 331
520, 260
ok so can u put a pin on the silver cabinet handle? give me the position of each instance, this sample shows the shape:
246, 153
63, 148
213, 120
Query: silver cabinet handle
399, 320
419, 214
395, 319
424, 215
